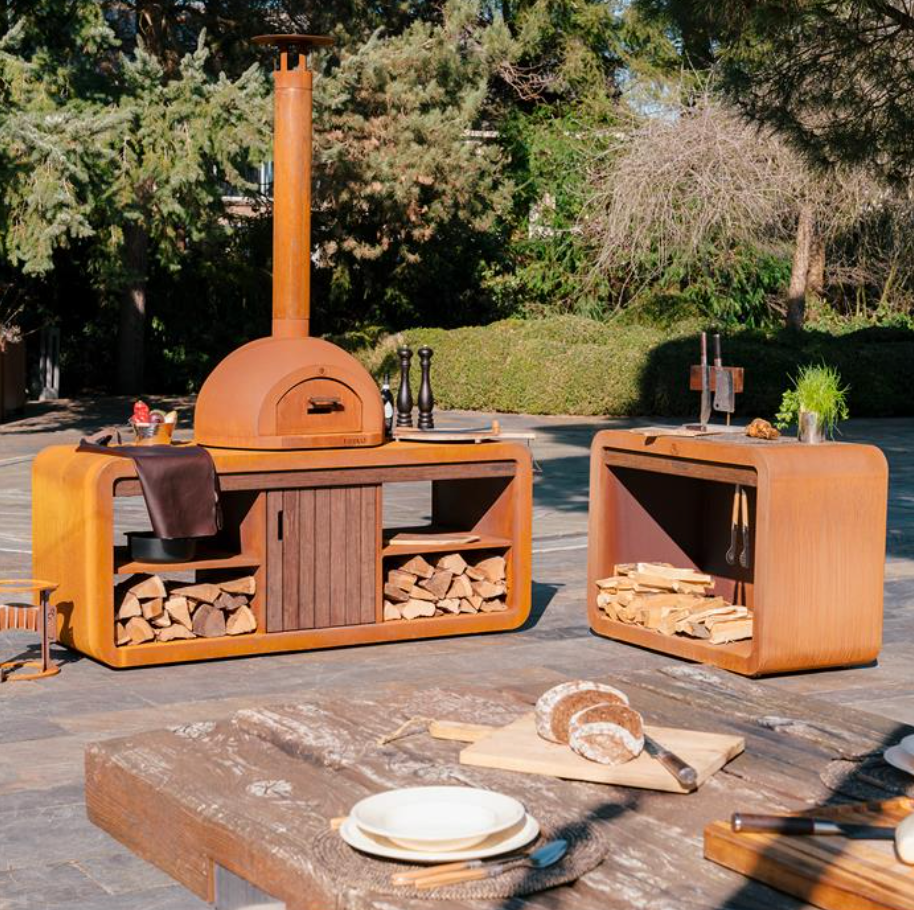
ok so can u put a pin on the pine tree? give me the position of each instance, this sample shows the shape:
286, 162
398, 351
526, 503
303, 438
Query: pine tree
109, 150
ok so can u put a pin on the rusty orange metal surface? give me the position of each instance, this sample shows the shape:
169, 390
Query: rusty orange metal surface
290, 391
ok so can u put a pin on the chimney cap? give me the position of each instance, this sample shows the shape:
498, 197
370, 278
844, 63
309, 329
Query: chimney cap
302, 41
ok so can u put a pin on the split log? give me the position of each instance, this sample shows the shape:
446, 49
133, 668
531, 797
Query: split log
449, 605
475, 600
418, 593
209, 622
488, 590
130, 606
467, 606
139, 630
174, 632
154, 608
246, 585
391, 611
439, 584
203, 592
460, 587
146, 586
396, 594
241, 621
162, 621
236, 603
736, 630
494, 606
492, 568
453, 563
671, 573
224, 602
403, 580
418, 566
416, 608
121, 635
176, 607
474, 574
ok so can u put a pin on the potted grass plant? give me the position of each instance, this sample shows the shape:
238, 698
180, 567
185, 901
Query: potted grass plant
817, 401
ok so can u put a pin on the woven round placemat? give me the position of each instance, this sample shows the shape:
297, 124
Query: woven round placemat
350, 869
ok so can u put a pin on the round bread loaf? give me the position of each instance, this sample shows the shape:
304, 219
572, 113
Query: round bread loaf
610, 734
555, 708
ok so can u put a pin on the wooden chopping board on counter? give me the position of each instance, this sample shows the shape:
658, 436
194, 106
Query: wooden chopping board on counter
518, 747
831, 872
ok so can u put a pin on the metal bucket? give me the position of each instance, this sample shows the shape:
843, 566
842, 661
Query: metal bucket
152, 434
812, 430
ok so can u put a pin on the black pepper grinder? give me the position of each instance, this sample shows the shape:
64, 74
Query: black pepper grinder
426, 399
404, 394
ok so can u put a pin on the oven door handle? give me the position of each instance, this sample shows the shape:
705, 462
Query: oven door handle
320, 404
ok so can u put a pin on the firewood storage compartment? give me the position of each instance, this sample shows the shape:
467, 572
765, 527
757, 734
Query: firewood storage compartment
309, 526
816, 541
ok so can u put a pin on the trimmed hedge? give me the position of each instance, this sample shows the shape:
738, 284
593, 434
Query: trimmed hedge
572, 365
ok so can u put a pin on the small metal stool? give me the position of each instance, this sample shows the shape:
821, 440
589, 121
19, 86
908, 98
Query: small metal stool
33, 618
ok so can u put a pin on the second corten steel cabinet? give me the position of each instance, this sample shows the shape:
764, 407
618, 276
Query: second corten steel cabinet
817, 518
309, 525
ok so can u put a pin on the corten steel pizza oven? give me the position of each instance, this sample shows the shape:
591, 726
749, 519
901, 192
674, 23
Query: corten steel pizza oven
290, 391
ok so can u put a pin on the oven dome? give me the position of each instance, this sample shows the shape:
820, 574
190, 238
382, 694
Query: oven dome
289, 393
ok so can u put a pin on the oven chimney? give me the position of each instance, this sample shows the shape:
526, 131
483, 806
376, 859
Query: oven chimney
292, 182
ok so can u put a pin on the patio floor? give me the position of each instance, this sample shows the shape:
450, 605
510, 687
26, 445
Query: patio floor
52, 857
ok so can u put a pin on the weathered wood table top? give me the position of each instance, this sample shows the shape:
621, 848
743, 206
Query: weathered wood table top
250, 792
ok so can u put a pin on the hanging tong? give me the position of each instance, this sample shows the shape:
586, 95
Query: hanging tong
734, 527
739, 525
744, 556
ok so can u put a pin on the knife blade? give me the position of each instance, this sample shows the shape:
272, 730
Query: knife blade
724, 398
705, 415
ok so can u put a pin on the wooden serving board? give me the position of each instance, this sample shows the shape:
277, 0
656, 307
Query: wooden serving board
830, 872
518, 747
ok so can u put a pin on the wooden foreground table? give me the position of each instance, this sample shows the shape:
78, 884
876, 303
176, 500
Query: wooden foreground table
204, 798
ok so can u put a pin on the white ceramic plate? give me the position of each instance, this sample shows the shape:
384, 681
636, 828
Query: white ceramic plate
907, 744
437, 819
514, 838
899, 758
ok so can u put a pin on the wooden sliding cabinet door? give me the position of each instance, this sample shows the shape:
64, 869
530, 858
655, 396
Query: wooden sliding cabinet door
323, 551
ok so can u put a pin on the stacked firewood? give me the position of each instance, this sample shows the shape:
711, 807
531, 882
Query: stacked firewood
417, 588
148, 609
672, 601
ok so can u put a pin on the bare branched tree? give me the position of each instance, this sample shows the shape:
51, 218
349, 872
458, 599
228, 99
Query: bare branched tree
702, 177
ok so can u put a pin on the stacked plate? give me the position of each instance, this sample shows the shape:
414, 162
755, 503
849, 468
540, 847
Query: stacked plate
901, 755
438, 824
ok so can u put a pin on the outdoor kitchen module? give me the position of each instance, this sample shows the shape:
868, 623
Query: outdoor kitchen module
314, 551
290, 391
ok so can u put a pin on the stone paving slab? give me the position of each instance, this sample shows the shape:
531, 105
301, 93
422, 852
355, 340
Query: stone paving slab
51, 857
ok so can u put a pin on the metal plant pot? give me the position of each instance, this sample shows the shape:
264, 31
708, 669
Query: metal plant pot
812, 428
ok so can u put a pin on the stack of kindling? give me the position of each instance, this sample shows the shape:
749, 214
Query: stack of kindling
417, 588
150, 609
672, 601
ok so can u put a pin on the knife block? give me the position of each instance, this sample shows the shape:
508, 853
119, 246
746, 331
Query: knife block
817, 541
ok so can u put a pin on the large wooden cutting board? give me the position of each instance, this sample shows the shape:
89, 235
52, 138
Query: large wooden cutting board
830, 872
518, 747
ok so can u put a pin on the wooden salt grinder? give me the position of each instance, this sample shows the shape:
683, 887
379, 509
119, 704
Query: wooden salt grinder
426, 399
404, 393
